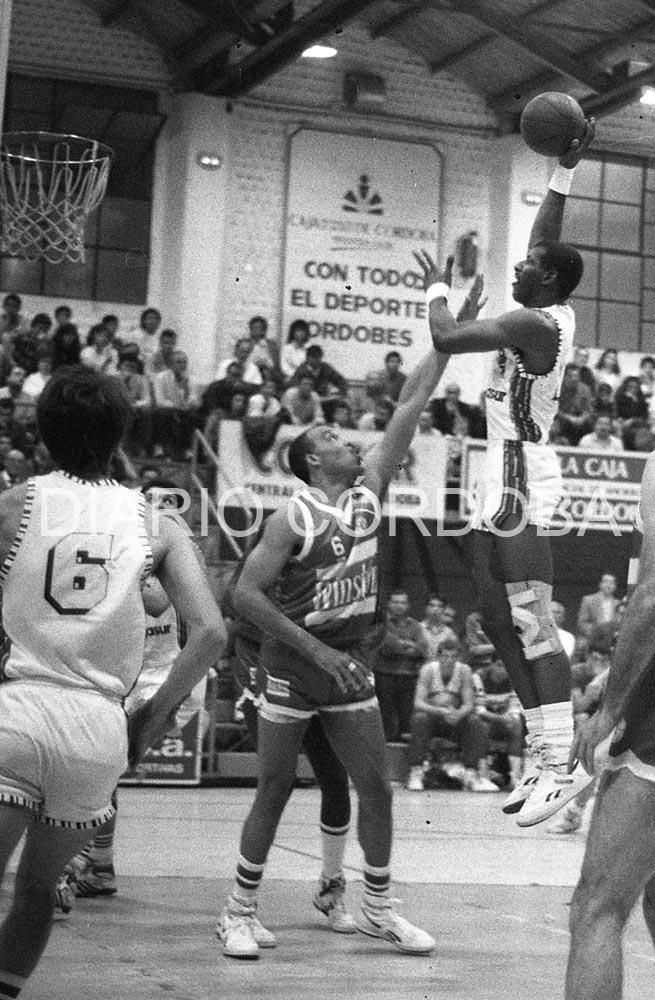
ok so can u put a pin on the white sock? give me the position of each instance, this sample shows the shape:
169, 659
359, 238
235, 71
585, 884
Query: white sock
558, 730
534, 721
334, 845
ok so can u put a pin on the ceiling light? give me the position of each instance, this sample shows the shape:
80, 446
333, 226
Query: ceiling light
209, 161
647, 95
319, 52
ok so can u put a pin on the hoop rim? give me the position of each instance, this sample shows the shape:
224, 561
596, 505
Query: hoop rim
104, 151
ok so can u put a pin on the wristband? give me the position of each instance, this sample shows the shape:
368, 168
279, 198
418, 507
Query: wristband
438, 290
561, 180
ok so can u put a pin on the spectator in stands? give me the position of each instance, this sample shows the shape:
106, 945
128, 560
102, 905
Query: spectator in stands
174, 413
478, 419
581, 359
63, 316
321, 373
21, 436
500, 710
480, 650
239, 405
66, 345
396, 662
604, 401
302, 404
16, 469
249, 372
163, 356
98, 353
565, 637
631, 410
574, 413
595, 609
449, 414
436, 630
444, 705
339, 414
148, 472
145, 337
391, 379
24, 405
379, 419
601, 438
218, 394
27, 344
607, 368
647, 377
264, 403
42, 461
294, 351
265, 352
425, 425
138, 439
12, 320
35, 383
111, 324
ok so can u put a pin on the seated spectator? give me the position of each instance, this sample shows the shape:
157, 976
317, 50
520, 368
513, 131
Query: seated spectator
499, 708
449, 414
63, 316
321, 373
647, 377
145, 337
35, 383
601, 438
66, 345
264, 403
294, 351
607, 369
174, 414
302, 404
631, 409
163, 356
480, 650
391, 380
425, 424
16, 470
239, 405
604, 401
218, 394
436, 630
589, 677
22, 437
379, 419
402, 648
27, 344
98, 354
338, 414
265, 352
138, 439
566, 638
444, 705
111, 324
24, 405
249, 372
12, 320
574, 413
581, 359
595, 609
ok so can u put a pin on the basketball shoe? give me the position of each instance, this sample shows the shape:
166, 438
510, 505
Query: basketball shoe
383, 922
241, 932
554, 789
330, 900
96, 880
64, 897
524, 788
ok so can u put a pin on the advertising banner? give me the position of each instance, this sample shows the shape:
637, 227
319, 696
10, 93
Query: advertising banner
175, 760
601, 488
416, 491
357, 207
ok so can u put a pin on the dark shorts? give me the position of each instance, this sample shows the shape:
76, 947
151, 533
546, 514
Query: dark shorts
249, 675
633, 741
297, 689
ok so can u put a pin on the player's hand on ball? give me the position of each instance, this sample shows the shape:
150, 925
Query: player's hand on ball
431, 274
578, 147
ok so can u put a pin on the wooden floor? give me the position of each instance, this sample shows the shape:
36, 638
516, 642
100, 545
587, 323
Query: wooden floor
494, 896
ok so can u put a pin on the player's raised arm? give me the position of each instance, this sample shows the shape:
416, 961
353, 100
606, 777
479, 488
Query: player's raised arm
548, 221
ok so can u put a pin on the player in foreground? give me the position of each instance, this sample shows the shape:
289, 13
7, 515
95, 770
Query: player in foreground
75, 550
520, 486
310, 586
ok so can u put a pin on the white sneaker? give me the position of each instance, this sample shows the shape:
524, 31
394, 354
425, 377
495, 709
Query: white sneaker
415, 780
477, 783
554, 789
568, 821
385, 923
524, 788
236, 930
330, 900
261, 934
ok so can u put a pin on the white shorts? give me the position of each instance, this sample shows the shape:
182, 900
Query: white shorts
62, 751
517, 477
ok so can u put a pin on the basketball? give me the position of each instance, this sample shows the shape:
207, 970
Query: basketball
550, 122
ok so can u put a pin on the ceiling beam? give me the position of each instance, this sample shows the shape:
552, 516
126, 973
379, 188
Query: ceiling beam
399, 18
225, 26
539, 46
284, 48
619, 95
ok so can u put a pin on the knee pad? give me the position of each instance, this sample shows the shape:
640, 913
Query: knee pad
532, 617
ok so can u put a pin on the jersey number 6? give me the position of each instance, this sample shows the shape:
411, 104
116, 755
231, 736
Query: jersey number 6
76, 579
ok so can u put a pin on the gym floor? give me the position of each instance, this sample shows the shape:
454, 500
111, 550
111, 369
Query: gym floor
495, 897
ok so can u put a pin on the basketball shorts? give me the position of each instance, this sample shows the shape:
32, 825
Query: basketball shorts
632, 744
297, 689
62, 751
517, 477
249, 674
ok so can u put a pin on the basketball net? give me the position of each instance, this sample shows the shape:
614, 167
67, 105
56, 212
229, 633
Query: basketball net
49, 184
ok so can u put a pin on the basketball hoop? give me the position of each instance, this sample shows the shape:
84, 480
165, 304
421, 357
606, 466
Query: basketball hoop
49, 183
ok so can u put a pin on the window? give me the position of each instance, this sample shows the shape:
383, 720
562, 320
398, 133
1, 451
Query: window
117, 233
610, 218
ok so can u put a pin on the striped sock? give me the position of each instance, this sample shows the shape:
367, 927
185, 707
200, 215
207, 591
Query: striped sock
558, 730
334, 845
377, 883
101, 852
11, 984
248, 878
